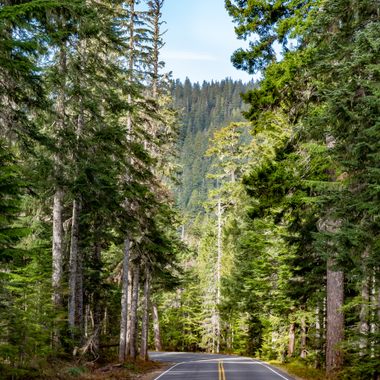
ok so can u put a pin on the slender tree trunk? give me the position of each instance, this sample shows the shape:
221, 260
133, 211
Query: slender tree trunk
57, 248
134, 306
363, 316
292, 339
318, 335
364, 306
218, 274
73, 279
335, 317
303, 338
130, 289
79, 296
145, 318
124, 304
156, 328
375, 325
96, 299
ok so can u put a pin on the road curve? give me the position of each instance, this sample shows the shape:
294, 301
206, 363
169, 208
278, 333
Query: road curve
189, 366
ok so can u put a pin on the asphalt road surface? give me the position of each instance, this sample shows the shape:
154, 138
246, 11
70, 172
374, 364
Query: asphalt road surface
188, 366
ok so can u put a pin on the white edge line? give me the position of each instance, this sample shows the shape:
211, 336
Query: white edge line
266, 366
168, 370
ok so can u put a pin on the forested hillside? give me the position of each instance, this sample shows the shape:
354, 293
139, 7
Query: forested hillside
203, 109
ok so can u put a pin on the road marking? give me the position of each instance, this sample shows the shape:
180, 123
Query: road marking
222, 371
168, 370
278, 374
222, 375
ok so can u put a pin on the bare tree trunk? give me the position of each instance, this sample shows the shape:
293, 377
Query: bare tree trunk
57, 248
156, 328
124, 304
303, 338
318, 334
73, 279
363, 324
375, 325
335, 317
79, 296
292, 339
364, 306
134, 306
218, 274
145, 318
96, 299
334, 290
129, 303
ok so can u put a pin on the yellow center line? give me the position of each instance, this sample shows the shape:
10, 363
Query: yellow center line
222, 375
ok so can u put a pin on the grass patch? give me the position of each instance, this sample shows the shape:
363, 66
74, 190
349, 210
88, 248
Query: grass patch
300, 369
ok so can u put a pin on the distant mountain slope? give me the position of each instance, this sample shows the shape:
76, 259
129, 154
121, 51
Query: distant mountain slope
203, 109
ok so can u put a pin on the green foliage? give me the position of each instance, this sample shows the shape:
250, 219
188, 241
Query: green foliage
204, 110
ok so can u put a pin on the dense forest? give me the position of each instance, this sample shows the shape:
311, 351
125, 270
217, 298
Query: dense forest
138, 212
203, 109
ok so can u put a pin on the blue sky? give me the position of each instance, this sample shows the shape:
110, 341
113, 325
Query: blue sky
200, 41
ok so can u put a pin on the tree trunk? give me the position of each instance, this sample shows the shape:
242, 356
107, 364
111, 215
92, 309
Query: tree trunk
363, 324
129, 303
124, 304
79, 296
292, 339
73, 279
156, 328
134, 306
303, 338
218, 274
318, 335
145, 318
96, 299
57, 248
335, 317
364, 306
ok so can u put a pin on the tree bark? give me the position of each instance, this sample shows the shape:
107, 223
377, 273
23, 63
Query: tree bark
292, 339
363, 316
364, 306
79, 296
57, 249
218, 274
124, 304
96, 299
57, 272
134, 306
303, 338
73, 275
145, 318
130, 289
335, 317
156, 328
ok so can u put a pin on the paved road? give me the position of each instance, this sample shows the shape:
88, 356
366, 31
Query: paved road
188, 366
